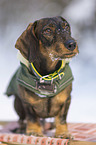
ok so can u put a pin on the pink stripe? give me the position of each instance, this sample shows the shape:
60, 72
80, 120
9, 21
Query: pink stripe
31, 139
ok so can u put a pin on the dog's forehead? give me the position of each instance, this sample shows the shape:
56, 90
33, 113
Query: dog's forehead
55, 21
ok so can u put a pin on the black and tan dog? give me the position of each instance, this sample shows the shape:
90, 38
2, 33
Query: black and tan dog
43, 83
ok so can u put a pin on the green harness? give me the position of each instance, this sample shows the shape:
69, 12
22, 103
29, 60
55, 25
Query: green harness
45, 88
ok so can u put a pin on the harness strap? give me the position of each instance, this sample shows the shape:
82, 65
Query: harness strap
48, 78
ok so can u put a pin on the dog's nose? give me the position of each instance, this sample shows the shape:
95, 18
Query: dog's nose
70, 45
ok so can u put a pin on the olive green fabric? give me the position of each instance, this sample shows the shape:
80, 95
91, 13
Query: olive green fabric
24, 78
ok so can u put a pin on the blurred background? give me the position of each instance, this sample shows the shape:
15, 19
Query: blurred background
81, 14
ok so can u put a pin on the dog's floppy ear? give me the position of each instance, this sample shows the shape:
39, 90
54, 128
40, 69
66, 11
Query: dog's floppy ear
28, 43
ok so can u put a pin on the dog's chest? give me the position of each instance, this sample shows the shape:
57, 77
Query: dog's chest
47, 107
44, 107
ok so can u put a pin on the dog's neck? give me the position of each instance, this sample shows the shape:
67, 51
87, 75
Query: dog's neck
45, 65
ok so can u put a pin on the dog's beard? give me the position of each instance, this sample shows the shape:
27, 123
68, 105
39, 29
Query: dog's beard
63, 56
53, 58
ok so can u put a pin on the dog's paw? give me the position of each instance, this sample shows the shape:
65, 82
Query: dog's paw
33, 129
34, 133
65, 135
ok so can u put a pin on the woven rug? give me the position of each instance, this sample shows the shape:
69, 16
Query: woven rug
80, 131
83, 131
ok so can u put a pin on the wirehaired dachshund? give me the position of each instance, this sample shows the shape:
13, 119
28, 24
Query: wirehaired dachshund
38, 85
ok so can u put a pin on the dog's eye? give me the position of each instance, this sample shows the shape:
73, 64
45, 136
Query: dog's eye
47, 31
67, 27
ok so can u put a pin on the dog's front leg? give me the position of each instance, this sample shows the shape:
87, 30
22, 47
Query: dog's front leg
33, 128
33, 124
61, 125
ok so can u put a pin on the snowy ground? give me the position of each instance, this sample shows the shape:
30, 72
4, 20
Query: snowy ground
83, 105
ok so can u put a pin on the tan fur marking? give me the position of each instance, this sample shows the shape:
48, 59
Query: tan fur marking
61, 129
34, 128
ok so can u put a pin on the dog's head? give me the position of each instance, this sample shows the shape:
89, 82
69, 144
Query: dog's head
49, 37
